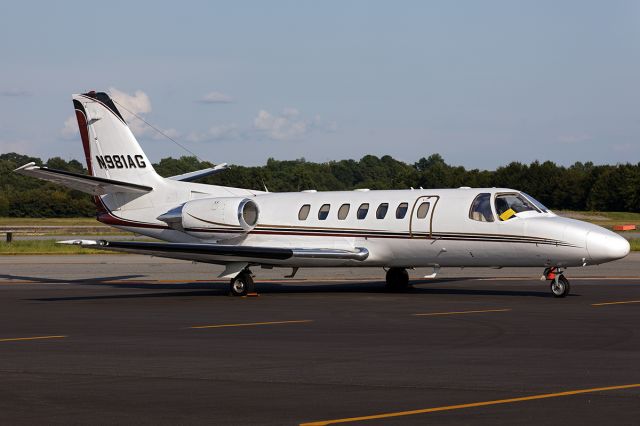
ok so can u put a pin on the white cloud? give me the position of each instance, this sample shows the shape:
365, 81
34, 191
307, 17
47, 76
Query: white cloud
289, 125
70, 129
134, 109
216, 98
223, 132
284, 127
131, 106
172, 133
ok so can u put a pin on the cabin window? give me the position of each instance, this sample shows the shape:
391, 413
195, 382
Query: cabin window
423, 209
481, 208
324, 211
507, 205
304, 212
381, 212
343, 211
401, 211
363, 210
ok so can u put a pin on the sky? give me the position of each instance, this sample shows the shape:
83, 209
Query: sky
482, 83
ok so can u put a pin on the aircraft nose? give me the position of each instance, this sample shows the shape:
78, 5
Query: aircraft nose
604, 246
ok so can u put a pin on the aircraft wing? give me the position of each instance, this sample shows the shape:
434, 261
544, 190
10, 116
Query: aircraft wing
199, 174
219, 253
90, 184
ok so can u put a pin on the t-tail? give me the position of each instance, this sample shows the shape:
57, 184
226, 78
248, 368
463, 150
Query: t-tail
110, 148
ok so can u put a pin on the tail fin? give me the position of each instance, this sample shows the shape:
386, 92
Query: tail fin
111, 150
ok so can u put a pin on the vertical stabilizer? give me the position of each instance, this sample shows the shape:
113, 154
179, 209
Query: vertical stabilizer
111, 150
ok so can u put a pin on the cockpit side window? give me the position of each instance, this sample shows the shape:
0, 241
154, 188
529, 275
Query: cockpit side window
481, 208
507, 205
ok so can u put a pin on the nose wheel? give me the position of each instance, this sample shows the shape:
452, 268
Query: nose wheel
558, 283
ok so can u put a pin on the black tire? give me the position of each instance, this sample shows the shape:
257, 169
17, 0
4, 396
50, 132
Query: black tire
560, 288
241, 284
397, 279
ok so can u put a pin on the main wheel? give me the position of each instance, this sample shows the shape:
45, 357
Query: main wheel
397, 279
560, 287
241, 284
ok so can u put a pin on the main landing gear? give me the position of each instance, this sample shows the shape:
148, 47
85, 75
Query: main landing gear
397, 279
242, 284
558, 283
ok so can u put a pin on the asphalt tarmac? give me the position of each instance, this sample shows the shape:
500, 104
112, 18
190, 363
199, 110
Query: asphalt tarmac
136, 340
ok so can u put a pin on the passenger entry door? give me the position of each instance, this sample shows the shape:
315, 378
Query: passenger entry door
421, 219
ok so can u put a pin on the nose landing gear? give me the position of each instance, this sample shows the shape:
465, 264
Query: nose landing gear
559, 285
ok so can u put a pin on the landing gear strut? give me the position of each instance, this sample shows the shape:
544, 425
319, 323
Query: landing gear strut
242, 284
397, 279
559, 285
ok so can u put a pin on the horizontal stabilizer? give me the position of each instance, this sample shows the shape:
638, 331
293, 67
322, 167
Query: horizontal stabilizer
218, 253
90, 184
199, 174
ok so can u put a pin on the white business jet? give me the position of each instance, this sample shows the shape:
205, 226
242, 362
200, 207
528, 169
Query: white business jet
240, 228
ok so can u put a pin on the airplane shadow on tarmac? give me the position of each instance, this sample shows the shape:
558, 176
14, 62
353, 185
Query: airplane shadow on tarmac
204, 289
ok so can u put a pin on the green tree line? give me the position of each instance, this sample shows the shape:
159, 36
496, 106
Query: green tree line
582, 186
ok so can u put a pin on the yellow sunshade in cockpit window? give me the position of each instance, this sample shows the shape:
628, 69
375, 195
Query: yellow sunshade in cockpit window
507, 214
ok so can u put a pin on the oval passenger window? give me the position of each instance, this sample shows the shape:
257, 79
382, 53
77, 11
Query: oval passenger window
304, 212
401, 211
382, 210
363, 210
324, 211
343, 211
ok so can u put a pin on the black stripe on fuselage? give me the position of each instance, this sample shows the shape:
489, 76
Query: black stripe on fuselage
385, 234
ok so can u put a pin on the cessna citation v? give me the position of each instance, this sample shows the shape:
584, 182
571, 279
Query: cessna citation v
240, 228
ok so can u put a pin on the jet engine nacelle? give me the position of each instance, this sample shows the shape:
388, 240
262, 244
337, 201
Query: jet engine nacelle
216, 218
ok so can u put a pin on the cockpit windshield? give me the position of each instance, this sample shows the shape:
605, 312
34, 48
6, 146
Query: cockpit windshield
536, 203
508, 205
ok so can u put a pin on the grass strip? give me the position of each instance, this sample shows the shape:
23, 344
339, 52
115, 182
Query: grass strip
49, 221
44, 247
